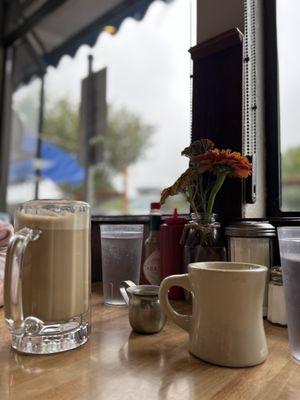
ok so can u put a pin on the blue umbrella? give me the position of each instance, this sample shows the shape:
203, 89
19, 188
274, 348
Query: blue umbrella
57, 164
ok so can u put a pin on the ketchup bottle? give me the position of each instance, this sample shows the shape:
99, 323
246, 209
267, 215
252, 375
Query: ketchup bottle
171, 251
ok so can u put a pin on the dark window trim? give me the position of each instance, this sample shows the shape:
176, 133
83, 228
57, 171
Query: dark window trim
272, 117
127, 219
119, 219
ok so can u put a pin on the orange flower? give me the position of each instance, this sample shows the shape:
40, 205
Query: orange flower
198, 147
197, 183
182, 183
224, 162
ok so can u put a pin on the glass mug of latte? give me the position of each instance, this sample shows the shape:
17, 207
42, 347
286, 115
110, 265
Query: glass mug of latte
47, 277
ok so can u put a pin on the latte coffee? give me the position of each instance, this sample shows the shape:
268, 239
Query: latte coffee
55, 285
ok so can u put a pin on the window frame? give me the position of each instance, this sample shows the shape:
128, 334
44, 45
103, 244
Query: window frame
272, 115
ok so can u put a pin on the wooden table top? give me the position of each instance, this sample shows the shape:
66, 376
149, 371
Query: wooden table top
119, 364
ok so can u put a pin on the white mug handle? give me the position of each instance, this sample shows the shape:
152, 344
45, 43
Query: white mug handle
182, 320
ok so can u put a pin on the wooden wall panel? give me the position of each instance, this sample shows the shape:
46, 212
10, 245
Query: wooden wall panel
217, 106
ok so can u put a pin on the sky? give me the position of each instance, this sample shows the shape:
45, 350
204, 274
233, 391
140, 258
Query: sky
288, 22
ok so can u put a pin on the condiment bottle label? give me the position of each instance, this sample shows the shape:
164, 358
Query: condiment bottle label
152, 268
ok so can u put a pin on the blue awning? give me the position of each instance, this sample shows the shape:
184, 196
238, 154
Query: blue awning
43, 31
56, 164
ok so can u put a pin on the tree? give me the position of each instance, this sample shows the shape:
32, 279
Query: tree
127, 138
61, 125
125, 141
290, 165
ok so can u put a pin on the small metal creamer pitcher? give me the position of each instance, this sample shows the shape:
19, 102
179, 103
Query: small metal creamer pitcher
145, 313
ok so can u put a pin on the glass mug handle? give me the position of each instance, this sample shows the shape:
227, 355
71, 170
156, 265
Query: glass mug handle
13, 304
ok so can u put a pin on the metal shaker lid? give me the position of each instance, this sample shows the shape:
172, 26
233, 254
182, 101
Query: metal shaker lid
144, 290
276, 275
251, 229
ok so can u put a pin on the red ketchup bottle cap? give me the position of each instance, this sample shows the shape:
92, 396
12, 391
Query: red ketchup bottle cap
175, 219
155, 206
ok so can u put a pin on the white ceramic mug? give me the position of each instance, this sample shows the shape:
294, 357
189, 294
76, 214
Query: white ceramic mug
226, 325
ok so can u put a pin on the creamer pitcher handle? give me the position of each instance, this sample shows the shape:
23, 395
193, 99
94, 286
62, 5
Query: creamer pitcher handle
13, 305
184, 321
123, 286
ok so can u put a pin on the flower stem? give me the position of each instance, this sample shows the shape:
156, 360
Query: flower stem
217, 186
202, 195
190, 199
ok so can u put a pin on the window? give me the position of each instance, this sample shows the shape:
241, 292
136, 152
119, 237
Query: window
145, 77
288, 22
282, 116
23, 145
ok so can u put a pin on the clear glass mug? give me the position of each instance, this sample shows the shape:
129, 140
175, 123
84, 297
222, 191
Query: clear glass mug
47, 277
289, 246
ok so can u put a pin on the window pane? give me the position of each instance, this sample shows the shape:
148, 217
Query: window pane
23, 144
139, 118
288, 22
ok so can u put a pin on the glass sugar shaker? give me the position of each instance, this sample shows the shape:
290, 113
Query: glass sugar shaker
276, 300
252, 242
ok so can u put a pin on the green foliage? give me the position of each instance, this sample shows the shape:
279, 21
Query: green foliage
102, 183
290, 198
125, 142
290, 164
28, 112
126, 139
61, 125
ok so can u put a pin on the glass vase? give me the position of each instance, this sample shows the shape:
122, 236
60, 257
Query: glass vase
203, 241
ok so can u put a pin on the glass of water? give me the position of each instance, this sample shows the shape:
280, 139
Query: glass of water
121, 248
289, 245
